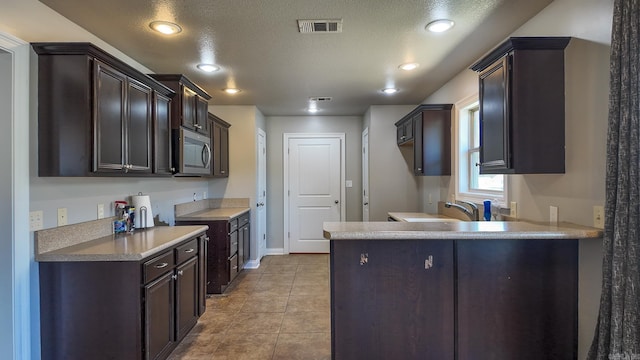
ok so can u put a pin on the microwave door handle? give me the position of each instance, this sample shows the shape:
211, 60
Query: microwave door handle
206, 160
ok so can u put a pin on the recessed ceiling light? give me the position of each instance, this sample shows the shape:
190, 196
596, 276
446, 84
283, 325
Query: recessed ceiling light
440, 25
409, 66
231, 90
389, 91
165, 27
208, 67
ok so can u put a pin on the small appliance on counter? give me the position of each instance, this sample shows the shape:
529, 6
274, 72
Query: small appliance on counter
143, 215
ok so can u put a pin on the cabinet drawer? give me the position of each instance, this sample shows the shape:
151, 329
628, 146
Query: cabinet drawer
157, 266
233, 244
186, 251
233, 225
243, 220
233, 267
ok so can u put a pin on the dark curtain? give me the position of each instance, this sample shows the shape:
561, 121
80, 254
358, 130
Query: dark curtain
617, 334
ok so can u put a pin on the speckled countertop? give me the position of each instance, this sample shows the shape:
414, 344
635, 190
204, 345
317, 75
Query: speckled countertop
211, 209
124, 247
214, 214
411, 216
458, 230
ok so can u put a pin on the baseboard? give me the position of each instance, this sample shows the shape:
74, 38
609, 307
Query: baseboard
252, 264
274, 251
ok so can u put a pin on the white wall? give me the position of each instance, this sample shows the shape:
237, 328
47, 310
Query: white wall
392, 186
276, 127
586, 98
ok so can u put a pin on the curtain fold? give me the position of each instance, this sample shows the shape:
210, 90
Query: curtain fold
617, 335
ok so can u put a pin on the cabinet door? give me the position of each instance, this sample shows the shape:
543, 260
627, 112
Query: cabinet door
189, 108
392, 299
202, 109
220, 150
108, 124
517, 299
139, 127
159, 314
162, 161
432, 142
495, 117
187, 306
203, 281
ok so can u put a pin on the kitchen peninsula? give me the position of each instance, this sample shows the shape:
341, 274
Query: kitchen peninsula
455, 289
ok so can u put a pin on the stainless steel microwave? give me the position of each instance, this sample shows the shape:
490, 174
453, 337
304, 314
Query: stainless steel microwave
193, 153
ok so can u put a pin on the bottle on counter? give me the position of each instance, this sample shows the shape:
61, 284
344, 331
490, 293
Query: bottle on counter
487, 210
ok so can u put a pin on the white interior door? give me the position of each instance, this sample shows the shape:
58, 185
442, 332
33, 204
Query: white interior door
315, 194
365, 175
261, 196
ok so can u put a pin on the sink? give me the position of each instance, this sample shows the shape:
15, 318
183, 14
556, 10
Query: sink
429, 219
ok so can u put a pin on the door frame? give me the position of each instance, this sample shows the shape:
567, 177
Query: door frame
261, 226
366, 196
285, 175
19, 342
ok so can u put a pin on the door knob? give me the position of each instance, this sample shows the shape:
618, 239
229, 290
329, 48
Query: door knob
336, 201
366, 204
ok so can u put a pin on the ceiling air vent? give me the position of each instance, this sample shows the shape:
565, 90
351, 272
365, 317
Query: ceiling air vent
320, 98
320, 26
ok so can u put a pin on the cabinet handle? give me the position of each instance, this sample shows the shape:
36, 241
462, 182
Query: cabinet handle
174, 277
235, 267
197, 126
180, 272
188, 251
160, 266
206, 238
478, 164
419, 169
235, 243
223, 172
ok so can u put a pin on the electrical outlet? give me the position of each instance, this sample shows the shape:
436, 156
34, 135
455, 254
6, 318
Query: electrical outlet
35, 220
62, 216
598, 217
513, 209
100, 211
553, 214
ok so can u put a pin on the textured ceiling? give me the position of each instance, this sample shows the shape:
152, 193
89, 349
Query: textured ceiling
260, 51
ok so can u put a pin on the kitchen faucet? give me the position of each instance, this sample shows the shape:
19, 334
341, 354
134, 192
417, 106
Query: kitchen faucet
474, 214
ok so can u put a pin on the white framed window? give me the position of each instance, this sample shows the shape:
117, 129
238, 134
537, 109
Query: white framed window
470, 185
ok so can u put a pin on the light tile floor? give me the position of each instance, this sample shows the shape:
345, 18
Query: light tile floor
278, 311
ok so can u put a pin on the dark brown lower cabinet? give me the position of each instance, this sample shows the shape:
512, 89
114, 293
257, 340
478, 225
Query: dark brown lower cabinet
517, 299
392, 299
446, 299
227, 250
121, 309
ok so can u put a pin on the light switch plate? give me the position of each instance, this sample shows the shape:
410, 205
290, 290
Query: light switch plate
513, 209
598, 217
100, 211
35, 220
553, 214
62, 216
349, 183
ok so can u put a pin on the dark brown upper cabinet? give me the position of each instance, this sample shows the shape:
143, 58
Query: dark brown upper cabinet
96, 114
190, 105
522, 106
428, 129
220, 146
163, 163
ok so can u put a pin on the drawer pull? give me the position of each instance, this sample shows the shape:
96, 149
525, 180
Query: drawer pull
160, 266
235, 267
188, 251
